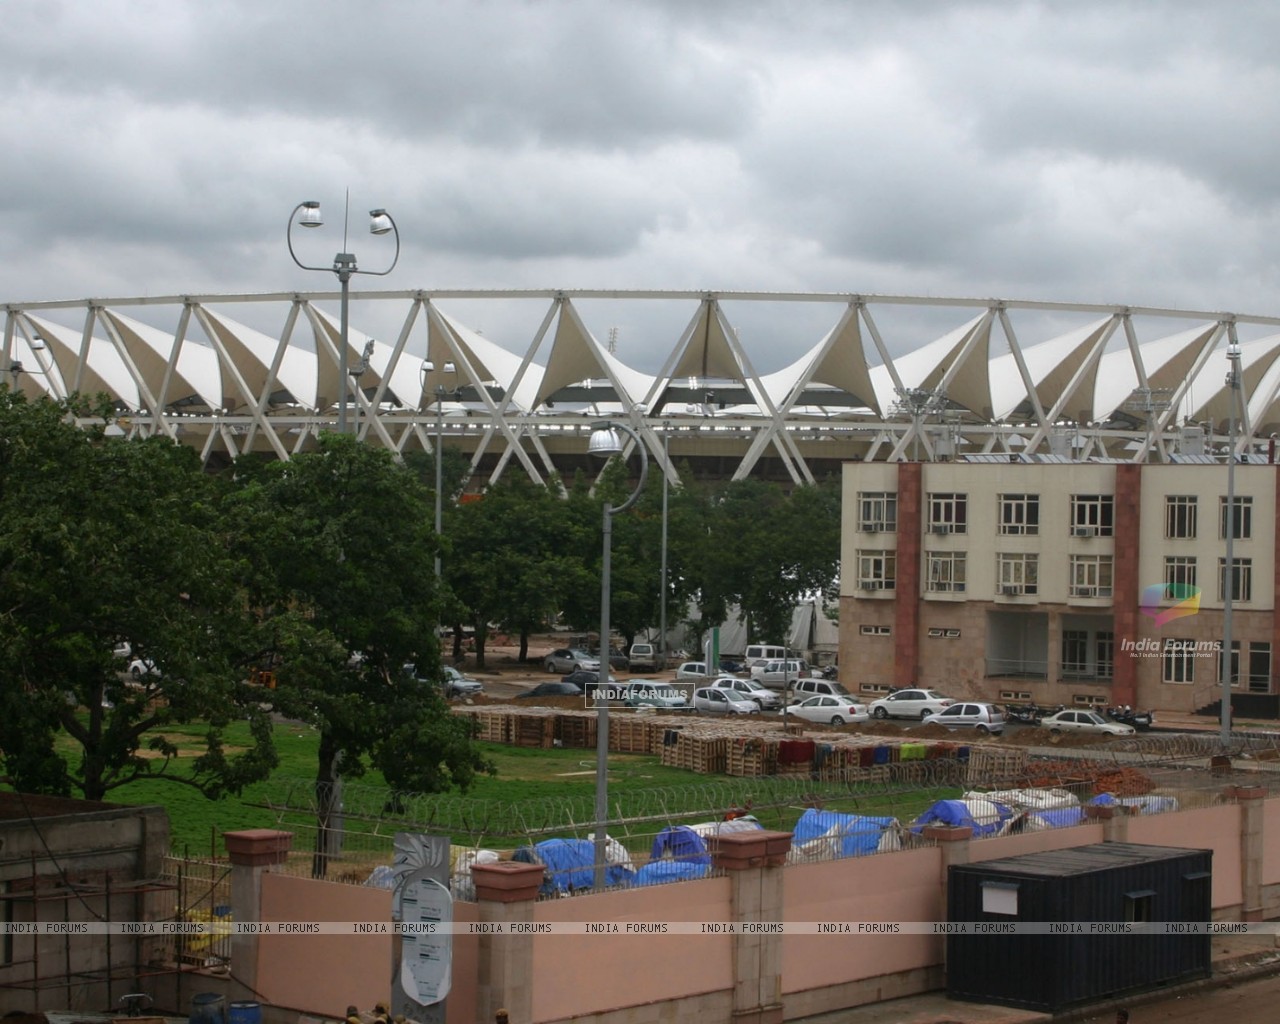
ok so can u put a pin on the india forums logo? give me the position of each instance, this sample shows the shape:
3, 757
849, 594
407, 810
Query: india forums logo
1186, 596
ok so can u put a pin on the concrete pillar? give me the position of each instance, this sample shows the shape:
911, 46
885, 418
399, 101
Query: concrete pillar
1251, 800
1114, 818
906, 588
1125, 584
754, 861
252, 852
954, 844
505, 895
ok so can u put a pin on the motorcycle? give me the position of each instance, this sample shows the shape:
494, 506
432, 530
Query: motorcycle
830, 672
1128, 716
1028, 714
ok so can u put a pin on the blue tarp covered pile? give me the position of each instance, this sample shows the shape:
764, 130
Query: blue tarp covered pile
985, 817
678, 853
842, 835
570, 865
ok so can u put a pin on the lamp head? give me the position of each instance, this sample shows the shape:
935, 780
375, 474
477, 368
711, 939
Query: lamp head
1233, 350
311, 215
379, 223
605, 441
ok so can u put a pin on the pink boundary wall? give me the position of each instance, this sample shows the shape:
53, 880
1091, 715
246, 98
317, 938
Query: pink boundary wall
633, 975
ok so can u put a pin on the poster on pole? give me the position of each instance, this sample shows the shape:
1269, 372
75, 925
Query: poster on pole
422, 907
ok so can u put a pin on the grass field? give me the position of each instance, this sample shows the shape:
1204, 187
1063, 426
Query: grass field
539, 781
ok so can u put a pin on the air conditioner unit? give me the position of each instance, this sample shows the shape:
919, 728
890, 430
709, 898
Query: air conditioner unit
942, 528
869, 585
1010, 590
1084, 531
1085, 592
870, 527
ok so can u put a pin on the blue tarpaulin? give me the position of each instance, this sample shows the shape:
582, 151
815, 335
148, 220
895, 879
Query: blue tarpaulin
985, 817
658, 871
570, 864
856, 834
680, 843
1059, 817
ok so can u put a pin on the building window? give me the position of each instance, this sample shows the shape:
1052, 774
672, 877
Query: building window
1241, 579
1020, 514
877, 511
948, 513
1242, 520
1180, 516
872, 630
1017, 573
1090, 576
1087, 654
1258, 661
1178, 661
877, 570
1179, 577
945, 571
1092, 515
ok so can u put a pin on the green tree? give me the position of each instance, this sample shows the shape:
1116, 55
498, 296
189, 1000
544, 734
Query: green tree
338, 552
105, 541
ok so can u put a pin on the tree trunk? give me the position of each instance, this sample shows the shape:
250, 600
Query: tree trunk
524, 644
328, 807
482, 634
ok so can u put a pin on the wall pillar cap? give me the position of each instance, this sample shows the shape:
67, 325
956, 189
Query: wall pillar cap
1247, 792
257, 847
508, 881
948, 833
738, 851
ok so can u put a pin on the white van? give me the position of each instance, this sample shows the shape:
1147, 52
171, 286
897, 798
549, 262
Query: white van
757, 653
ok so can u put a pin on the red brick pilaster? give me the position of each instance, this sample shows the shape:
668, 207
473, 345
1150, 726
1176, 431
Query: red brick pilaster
1275, 598
1126, 586
906, 591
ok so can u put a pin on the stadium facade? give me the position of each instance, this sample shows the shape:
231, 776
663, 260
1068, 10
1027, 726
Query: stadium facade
784, 385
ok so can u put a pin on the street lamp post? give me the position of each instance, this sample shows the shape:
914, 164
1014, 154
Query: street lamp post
1229, 575
344, 266
662, 604
441, 392
606, 443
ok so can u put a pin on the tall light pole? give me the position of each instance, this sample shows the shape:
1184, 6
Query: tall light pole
344, 266
662, 604
1229, 576
441, 392
605, 443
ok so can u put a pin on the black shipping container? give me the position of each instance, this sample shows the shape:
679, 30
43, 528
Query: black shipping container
1104, 889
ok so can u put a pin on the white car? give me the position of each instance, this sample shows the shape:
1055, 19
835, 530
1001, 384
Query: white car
570, 659
764, 698
692, 670
778, 674
714, 700
911, 703
1084, 721
981, 718
829, 710
142, 668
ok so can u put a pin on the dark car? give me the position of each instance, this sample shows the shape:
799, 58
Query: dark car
731, 666
552, 690
617, 660
586, 680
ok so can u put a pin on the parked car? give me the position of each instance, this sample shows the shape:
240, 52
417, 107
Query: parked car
644, 658
617, 660
567, 659
649, 693
818, 687
551, 690
715, 700
587, 680
778, 674
1084, 721
983, 718
757, 653
453, 682
732, 666
765, 699
140, 668
910, 703
831, 710
693, 670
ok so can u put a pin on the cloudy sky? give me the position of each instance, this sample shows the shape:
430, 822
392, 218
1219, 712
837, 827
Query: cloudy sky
1073, 151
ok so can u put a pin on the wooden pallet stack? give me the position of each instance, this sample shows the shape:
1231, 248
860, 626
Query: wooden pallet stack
534, 731
632, 734
751, 756
576, 729
990, 764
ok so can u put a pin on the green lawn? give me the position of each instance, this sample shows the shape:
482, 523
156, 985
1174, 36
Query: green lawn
538, 786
